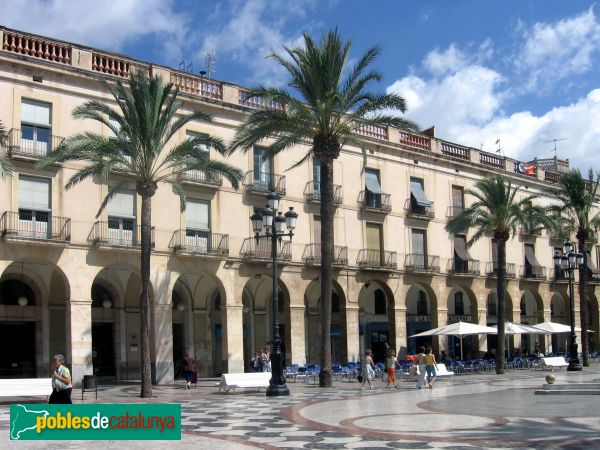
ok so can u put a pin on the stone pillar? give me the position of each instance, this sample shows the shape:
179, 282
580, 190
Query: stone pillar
233, 348
481, 319
297, 348
442, 319
78, 322
401, 344
163, 370
352, 336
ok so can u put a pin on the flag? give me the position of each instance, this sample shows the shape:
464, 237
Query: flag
497, 141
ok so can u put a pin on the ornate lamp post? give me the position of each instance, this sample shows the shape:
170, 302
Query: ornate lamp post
568, 262
273, 224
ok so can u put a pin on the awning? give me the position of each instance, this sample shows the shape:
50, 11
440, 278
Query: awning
416, 189
372, 183
530, 256
460, 248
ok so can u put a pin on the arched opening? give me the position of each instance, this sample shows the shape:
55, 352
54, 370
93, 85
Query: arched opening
376, 319
532, 312
418, 317
462, 307
105, 332
492, 318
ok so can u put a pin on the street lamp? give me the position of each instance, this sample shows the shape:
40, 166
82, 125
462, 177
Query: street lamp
273, 224
568, 262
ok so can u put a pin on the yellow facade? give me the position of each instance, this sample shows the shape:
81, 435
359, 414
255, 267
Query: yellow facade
213, 299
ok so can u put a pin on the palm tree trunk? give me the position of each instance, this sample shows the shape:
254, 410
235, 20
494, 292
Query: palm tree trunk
146, 247
327, 213
501, 293
583, 303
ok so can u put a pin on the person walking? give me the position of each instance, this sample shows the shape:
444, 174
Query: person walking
191, 374
390, 367
61, 382
256, 361
430, 366
421, 373
265, 360
368, 369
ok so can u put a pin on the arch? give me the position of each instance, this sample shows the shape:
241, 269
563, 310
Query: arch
420, 303
377, 328
462, 307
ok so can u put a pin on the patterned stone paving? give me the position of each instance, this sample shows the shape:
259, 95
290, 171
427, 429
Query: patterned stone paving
345, 417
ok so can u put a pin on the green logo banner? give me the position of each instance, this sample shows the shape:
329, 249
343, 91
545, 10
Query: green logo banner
95, 422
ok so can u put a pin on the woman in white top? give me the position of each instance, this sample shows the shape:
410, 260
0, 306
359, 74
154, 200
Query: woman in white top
421, 363
368, 369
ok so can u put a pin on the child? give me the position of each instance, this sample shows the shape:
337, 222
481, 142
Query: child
368, 369
390, 367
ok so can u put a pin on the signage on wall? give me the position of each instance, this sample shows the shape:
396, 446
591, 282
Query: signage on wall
418, 318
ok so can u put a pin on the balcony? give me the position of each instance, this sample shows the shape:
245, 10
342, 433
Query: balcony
454, 211
197, 85
490, 160
371, 202
456, 151
29, 225
559, 275
463, 267
374, 259
312, 193
491, 270
263, 182
416, 262
126, 237
372, 131
192, 242
198, 177
418, 212
312, 255
530, 272
256, 102
253, 250
28, 149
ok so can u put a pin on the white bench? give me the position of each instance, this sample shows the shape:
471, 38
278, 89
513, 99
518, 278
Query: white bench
552, 362
25, 387
231, 381
442, 371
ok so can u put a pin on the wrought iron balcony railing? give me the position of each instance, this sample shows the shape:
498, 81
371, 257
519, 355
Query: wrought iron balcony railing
418, 212
533, 272
372, 202
312, 255
262, 182
376, 259
416, 262
126, 236
200, 242
261, 249
35, 225
491, 269
557, 274
199, 177
312, 193
463, 266
31, 148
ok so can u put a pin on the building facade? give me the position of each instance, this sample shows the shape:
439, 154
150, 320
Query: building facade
70, 283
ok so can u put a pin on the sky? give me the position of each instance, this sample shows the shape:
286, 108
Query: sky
521, 72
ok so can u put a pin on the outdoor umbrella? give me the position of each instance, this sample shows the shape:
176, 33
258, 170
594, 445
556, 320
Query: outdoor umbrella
511, 328
553, 327
458, 329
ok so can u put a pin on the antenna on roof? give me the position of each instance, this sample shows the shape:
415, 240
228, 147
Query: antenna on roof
189, 68
182, 66
555, 140
210, 59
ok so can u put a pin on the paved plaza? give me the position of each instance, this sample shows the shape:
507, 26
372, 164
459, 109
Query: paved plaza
472, 411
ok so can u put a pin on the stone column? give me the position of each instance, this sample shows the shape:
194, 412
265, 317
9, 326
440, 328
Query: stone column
78, 322
442, 341
401, 344
163, 369
233, 343
352, 336
297, 347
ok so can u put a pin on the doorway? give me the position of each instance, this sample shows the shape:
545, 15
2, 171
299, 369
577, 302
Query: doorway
103, 353
17, 361
178, 345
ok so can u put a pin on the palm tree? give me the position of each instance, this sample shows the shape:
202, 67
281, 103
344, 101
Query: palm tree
576, 197
146, 119
332, 102
6, 165
497, 212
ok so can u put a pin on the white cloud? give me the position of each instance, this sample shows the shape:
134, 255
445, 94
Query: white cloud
105, 24
250, 30
554, 51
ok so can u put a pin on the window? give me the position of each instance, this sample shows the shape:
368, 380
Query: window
418, 199
461, 255
494, 256
372, 188
374, 243
532, 266
335, 303
380, 302
262, 169
523, 307
189, 135
197, 215
422, 309
459, 307
36, 127
112, 135
34, 207
492, 306
317, 178
458, 200
121, 219
317, 229
419, 249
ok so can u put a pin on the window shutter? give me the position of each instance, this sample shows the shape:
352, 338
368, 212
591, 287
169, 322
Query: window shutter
34, 193
35, 112
197, 214
122, 204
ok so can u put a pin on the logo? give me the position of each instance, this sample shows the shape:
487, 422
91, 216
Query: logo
96, 421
